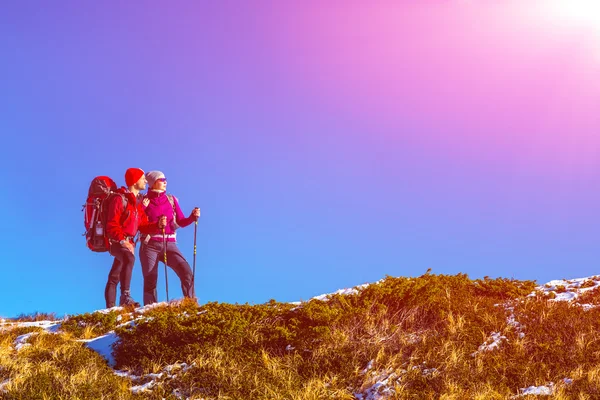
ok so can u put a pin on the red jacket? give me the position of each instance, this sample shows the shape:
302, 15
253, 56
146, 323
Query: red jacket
125, 222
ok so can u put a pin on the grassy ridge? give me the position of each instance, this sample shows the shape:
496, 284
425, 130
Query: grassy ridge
431, 337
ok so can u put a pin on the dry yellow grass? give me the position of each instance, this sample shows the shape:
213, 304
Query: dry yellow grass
432, 337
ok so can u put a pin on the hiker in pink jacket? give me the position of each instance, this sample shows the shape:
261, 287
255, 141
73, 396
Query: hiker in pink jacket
152, 248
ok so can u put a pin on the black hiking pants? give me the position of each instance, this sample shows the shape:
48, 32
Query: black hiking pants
151, 254
119, 273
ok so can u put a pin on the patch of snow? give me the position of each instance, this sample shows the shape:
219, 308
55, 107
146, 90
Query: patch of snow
183, 366
413, 338
125, 374
108, 310
535, 391
367, 368
149, 307
143, 388
177, 393
565, 296
167, 373
49, 326
103, 346
496, 338
21, 341
3, 384
128, 323
545, 390
379, 390
347, 291
569, 289
325, 297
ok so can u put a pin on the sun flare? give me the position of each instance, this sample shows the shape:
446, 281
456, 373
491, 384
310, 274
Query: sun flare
581, 12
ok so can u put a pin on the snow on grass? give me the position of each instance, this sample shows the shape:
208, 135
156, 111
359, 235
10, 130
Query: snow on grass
108, 310
569, 289
383, 382
563, 290
184, 367
103, 346
3, 385
49, 326
125, 374
492, 343
347, 291
143, 388
149, 307
537, 390
381, 389
21, 341
546, 390
496, 338
367, 368
168, 372
327, 296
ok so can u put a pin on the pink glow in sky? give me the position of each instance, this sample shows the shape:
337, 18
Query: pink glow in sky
328, 143
486, 78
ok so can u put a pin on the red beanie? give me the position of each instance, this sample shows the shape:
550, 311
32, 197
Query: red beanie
132, 175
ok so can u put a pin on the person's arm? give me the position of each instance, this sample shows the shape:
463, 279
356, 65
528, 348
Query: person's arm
114, 230
182, 221
147, 227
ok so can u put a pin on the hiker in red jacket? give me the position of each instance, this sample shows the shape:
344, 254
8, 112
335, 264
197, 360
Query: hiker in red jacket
153, 246
124, 221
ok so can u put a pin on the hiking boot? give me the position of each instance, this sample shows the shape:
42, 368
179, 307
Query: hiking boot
127, 300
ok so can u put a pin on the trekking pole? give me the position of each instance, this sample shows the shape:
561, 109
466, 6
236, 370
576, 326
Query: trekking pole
194, 272
165, 261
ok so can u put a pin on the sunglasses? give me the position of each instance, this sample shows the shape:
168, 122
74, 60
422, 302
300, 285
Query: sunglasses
162, 180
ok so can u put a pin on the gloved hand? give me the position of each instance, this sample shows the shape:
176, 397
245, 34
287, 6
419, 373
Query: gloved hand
162, 222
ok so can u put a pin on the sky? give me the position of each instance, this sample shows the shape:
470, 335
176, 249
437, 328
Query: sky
328, 144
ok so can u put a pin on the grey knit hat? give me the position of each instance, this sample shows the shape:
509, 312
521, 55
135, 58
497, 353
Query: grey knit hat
153, 176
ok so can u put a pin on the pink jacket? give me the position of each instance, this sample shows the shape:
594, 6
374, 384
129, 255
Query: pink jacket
159, 206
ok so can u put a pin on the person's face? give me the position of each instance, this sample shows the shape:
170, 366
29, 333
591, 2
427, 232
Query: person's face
160, 184
141, 183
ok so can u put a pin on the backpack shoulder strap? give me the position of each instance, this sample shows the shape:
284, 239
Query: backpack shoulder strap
124, 199
172, 201
121, 195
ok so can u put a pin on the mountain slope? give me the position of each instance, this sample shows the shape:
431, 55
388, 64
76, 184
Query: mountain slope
435, 336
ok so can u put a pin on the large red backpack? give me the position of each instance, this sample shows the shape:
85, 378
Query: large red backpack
95, 209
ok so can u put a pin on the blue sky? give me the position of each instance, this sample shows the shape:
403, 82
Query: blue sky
323, 155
